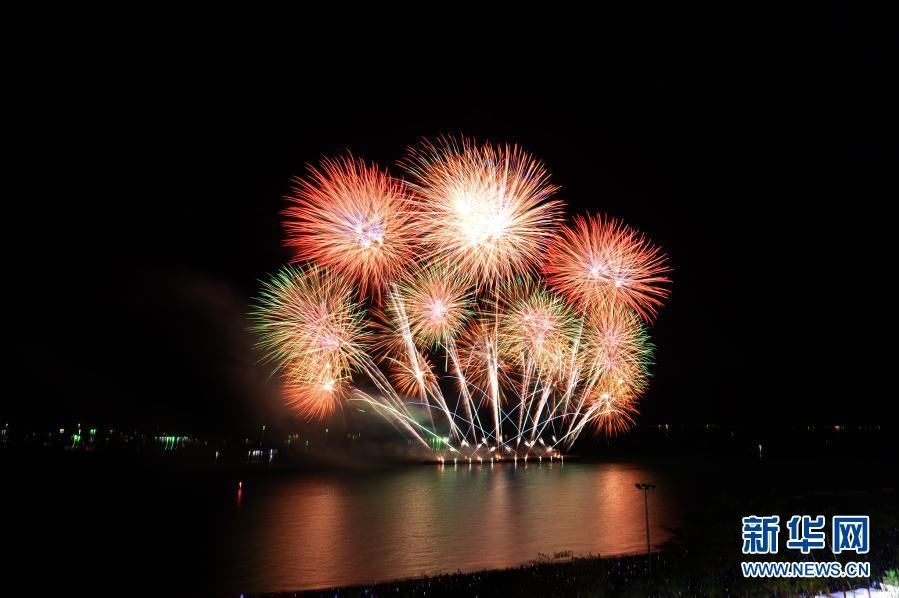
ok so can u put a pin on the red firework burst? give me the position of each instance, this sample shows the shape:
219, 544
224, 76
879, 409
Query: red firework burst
598, 261
355, 219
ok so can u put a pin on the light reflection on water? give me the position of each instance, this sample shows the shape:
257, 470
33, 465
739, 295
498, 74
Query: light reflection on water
350, 527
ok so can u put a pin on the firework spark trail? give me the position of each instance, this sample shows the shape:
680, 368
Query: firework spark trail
428, 387
522, 403
471, 413
412, 354
572, 371
399, 415
461, 266
495, 395
398, 406
544, 396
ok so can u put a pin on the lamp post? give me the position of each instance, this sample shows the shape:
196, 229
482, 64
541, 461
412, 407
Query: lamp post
646, 488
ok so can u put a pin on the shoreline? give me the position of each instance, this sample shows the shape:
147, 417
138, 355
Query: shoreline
471, 581
672, 570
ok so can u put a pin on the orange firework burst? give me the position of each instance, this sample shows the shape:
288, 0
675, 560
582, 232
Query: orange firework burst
485, 209
314, 399
309, 326
536, 328
355, 219
619, 353
437, 304
602, 261
618, 350
413, 376
613, 407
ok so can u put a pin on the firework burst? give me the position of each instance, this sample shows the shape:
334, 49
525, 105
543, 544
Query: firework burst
619, 351
314, 399
309, 326
354, 219
599, 261
437, 304
413, 376
612, 408
538, 328
485, 209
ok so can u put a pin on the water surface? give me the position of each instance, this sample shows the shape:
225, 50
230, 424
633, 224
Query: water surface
318, 530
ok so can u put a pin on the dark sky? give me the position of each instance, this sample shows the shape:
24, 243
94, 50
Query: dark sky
146, 167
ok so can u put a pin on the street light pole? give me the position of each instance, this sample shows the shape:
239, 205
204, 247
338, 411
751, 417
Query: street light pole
646, 488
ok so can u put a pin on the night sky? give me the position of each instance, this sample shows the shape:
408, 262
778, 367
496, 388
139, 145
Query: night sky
146, 169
